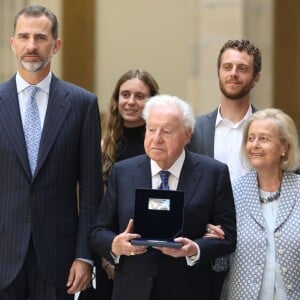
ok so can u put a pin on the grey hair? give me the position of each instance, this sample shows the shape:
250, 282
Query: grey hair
287, 134
188, 118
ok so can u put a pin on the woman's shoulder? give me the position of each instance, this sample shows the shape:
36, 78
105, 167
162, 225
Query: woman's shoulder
245, 180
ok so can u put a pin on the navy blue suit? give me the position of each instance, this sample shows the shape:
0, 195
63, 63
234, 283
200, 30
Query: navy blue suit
208, 199
44, 207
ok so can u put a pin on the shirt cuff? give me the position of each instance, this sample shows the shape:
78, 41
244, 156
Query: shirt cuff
116, 258
86, 260
192, 260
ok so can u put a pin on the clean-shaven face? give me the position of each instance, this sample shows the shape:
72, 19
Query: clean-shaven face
132, 97
264, 147
165, 136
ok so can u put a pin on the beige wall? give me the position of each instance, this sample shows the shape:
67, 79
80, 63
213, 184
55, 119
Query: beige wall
151, 35
178, 42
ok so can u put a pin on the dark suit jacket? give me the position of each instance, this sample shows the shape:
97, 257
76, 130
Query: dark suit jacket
203, 138
208, 199
45, 207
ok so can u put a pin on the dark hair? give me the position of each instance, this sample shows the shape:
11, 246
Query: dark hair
37, 11
243, 45
114, 131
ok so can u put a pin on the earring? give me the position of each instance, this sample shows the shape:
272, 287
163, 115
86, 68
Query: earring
283, 154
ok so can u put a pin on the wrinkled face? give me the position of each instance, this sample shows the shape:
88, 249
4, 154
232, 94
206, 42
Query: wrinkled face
263, 147
33, 43
236, 74
165, 136
132, 96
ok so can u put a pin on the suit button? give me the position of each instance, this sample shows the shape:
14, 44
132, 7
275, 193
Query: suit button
289, 286
284, 270
280, 251
28, 219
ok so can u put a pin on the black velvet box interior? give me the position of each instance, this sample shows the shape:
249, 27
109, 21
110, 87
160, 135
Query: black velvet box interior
158, 217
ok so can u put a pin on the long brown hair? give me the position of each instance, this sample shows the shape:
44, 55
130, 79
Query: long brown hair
114, 131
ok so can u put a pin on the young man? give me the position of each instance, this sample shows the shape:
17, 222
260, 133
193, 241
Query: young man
219, 133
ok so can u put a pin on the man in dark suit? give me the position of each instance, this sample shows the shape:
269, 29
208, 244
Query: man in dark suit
46, 208
219, 133
143, 273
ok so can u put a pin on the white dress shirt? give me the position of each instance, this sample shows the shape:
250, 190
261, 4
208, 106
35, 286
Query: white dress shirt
227, 143
272, 287
41, 96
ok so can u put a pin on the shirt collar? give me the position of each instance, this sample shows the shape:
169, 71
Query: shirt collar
43, 85
220, 119
175, 169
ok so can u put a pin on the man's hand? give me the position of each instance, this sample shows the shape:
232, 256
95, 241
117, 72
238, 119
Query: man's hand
189, 248
80, 276
121, 243
214, 231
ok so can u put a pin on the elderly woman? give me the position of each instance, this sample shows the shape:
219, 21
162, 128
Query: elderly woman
266, 263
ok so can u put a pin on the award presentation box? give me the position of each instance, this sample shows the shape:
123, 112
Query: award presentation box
158, 217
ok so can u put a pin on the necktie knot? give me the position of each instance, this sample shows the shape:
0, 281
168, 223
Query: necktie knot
32, 91
164, 176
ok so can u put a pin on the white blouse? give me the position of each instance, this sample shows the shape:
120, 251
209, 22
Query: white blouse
272, 287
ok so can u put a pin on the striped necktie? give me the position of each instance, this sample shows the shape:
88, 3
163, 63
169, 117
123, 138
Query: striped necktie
32, 127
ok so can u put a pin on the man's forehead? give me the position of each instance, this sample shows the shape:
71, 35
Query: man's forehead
30, 24
234, 55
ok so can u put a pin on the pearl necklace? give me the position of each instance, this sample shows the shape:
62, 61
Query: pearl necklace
271, 198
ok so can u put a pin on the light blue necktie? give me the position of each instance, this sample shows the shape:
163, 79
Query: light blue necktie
32, 127
164, 176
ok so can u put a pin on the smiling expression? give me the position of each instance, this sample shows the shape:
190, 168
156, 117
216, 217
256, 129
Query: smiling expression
263, 147
132, 96
236, 71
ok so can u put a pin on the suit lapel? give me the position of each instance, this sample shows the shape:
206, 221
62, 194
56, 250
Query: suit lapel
10, 120
210, 133
251, 198
142, 177
57, 110
288, 199
189, 177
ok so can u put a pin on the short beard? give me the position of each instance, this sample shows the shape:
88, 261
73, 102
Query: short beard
32, 66
235, 96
